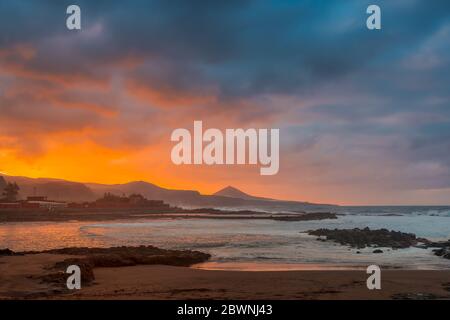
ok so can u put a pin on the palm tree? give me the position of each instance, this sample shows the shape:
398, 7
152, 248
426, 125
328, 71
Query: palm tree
11, 191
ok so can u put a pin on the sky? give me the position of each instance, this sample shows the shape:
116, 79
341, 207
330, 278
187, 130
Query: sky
364, 116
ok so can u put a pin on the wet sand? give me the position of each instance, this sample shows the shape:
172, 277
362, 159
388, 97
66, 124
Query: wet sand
19, 280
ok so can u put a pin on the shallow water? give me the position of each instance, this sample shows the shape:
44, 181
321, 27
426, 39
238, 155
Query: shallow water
244, 244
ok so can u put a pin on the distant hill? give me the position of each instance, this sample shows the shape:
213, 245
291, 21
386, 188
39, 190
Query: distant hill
146, 189
233, 192
54, 189
229, 197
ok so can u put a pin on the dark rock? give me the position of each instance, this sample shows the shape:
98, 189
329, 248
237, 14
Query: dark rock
59, 277
446, 286
86, 269
90, 258
130, 256
415, 296
441, 244
308, 217
443, 248
443, 252
6, 252
377, 251
361, 238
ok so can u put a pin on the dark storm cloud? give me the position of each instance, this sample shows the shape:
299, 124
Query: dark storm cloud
391, 85
246, 47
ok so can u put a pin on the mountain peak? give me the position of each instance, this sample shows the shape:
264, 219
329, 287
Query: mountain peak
233, 192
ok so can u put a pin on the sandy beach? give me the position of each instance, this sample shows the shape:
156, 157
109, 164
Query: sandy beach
20, 279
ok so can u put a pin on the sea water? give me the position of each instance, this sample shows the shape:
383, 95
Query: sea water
241, 244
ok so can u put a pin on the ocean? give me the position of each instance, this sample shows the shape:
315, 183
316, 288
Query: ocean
240, 244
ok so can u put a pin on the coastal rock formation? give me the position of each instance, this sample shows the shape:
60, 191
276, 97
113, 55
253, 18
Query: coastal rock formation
6, 252
60, 276
416, 296
361, 238
90, 258
308, 217
443, 252
131, 256
444, 248
441, 249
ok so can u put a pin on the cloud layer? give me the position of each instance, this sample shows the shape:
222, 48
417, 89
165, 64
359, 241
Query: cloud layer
364, 115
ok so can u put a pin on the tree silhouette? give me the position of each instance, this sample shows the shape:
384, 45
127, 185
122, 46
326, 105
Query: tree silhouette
11, 191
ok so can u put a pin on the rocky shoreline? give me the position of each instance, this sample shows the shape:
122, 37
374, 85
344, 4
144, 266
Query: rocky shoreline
90, 258
443, 248
381, 238
148, 272
307, 217
109, 214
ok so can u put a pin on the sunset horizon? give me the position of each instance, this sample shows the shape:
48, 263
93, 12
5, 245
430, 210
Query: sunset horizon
207, 191
224, 154
96, 105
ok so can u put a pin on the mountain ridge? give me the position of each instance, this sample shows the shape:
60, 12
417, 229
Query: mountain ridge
228, 197
233, 192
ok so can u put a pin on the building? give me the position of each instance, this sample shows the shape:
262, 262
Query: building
10, 205
47, 204
19, 205
37, 198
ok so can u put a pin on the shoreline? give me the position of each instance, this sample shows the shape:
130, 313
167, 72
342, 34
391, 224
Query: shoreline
275, 267
147, 272
112, 214
366, 247
20, 280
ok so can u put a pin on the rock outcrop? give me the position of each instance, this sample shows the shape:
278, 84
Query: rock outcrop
6, 252
131, 256
308, 217
443, 248
443, 252
90, 258
361, 238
